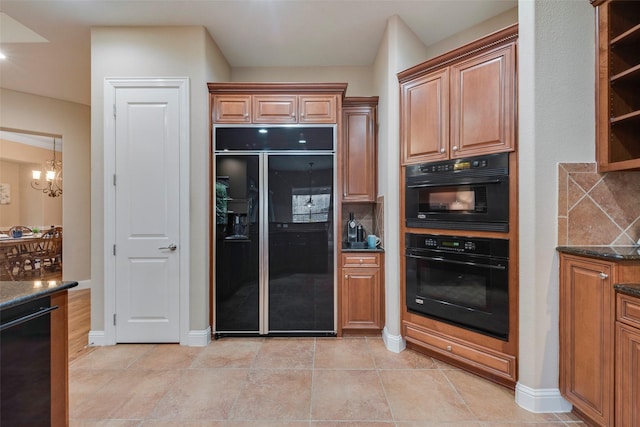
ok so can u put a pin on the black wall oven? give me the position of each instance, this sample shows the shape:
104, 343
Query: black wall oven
461, 194
463, 281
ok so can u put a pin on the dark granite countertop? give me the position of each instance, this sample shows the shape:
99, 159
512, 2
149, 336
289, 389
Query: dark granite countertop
346, 248
632, 289
616, 253
362, 250
15, 293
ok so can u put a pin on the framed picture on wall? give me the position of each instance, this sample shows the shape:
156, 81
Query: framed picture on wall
5, 194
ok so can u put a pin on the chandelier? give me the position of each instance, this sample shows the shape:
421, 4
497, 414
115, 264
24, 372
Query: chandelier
51, 185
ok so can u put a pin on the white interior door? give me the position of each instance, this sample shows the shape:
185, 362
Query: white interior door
147, 214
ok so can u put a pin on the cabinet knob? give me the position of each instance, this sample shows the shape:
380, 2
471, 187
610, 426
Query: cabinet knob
603, 276
346, 276
246, 114
361, 260
442, 150
448, 348
454, 148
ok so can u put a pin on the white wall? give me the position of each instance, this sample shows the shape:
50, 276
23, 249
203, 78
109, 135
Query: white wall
399, 48
556, 124
28, 112
358, 79
127, 52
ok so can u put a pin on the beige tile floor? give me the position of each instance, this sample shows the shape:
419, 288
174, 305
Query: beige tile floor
288, 382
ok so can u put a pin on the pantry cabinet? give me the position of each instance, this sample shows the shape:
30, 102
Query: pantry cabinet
618, 85
462, 103
359, 148
362, 303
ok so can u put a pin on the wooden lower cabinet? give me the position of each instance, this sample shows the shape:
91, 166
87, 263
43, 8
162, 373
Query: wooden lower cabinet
587, 337
593, 357
498, 366
627, 361
361, 300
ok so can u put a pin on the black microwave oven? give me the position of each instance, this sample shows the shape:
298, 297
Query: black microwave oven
460, 194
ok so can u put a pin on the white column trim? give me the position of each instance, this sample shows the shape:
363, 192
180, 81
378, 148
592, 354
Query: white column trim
394, 343
543, 400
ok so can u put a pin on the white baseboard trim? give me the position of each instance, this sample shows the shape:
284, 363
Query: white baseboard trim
394, 343
194, 338
97, 338
199, 338
541, 400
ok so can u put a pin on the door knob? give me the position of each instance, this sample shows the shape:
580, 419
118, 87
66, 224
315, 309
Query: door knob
172, 247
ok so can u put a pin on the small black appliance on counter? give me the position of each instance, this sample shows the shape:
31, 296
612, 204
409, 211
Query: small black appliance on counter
356, 238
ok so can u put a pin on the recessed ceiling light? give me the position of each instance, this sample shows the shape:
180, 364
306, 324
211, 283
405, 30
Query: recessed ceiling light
3, 56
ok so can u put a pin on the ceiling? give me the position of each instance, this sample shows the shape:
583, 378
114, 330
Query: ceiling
250, 33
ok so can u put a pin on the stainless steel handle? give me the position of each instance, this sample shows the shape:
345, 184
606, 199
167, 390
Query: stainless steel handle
41, 312
604, 276
172, 247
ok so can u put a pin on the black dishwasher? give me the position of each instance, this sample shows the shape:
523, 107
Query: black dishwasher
25, 364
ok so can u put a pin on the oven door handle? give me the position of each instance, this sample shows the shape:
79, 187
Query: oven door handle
468, 181
450, 261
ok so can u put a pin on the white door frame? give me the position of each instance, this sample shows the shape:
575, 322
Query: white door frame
110, 87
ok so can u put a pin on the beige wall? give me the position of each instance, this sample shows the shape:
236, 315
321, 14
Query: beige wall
28, 206
134, 52
28, 112
556, 66
358, 79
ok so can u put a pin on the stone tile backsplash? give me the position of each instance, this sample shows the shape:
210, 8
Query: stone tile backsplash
596, 209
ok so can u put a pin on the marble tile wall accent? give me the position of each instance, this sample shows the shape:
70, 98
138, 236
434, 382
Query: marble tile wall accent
379, 218
596, 209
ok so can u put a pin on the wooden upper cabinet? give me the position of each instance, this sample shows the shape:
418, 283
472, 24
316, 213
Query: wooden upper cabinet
276, 103
275, 108
482, 104
359, 159
618, 85
232, 108
317, 109
425, 118
461, 103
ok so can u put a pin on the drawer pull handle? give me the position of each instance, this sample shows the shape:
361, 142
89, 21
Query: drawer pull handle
604, 276
449, 348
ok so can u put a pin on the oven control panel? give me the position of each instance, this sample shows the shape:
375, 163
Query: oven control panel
456, 244
451, 244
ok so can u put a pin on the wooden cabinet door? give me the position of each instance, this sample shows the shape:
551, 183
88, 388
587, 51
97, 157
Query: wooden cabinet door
318, 109
359, 160
482, 104
425, 118
232, 109
361, 298
587, 337
627, 376
275, 109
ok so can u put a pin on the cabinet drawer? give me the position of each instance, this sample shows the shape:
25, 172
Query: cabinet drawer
498, 364
628, 309
360, 260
